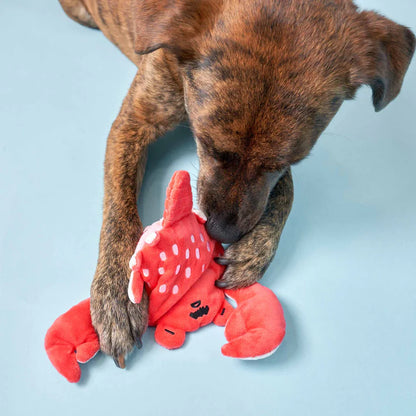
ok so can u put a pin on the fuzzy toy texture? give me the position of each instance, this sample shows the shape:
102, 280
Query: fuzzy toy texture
71, 340
174, 263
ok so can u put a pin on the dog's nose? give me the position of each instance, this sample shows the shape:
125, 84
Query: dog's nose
221, 231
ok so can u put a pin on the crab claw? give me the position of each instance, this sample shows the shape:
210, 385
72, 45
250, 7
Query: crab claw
256, 327
71, 340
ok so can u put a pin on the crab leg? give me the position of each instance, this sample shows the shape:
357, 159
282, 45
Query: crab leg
71, 340
256, 327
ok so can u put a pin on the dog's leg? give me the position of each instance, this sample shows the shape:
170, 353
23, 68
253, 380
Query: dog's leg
248, 258
151, 108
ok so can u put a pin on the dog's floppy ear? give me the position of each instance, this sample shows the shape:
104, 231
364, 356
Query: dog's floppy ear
172, 24
383, 57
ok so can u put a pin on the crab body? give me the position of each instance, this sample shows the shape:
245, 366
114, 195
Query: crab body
174, 262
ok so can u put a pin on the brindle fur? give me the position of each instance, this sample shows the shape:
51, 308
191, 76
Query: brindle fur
248, 258
258, 81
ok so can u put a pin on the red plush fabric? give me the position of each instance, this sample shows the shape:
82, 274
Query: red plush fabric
256, 327
71, 340
174, 263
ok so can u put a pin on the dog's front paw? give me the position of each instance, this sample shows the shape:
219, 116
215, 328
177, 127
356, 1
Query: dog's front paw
247, 259
119, 323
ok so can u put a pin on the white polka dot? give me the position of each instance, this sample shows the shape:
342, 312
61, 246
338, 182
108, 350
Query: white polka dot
208, 246
145, 272
161, 270
150, 238
193, 238
162, 288
197, 253
201, 236
175, 249
203, 267
187, 253
188, 272
162, 256
175, 289
178, 267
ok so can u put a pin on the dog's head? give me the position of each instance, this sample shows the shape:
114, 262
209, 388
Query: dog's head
262, 80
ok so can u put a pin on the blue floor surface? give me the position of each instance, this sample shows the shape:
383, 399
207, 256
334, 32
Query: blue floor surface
345, 271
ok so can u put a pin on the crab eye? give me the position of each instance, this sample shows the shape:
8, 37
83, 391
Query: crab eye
196, 304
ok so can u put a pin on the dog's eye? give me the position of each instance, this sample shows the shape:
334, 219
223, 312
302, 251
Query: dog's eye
223, 157
226, 157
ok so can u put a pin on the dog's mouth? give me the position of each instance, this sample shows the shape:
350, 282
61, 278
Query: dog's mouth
233, 209
224, 233
229, 221
227, 230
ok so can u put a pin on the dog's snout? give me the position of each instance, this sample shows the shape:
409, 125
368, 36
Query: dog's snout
222, 231
233, 203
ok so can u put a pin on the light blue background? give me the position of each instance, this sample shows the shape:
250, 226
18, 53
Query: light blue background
345, 270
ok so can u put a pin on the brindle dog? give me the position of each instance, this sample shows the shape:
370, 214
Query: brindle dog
258, 80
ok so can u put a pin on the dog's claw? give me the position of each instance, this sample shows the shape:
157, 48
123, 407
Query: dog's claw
222, 261
139, 343
220, 284
119, 362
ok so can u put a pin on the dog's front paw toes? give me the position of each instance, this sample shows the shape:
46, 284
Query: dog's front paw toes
246, 263
239, 275
119, 323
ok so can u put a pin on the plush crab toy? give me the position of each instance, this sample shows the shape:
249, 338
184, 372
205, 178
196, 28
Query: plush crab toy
174, 263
